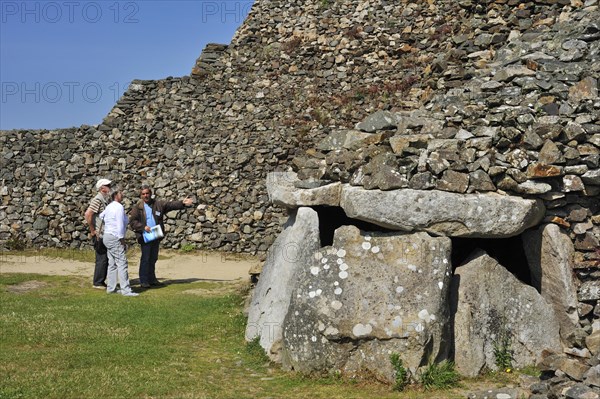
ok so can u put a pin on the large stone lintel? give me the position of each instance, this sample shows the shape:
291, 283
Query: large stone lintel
284, 191
487, 215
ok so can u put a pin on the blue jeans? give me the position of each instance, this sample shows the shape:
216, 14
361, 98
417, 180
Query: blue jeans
148, 262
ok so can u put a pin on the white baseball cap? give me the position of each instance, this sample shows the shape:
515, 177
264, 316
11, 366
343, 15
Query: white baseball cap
102, 182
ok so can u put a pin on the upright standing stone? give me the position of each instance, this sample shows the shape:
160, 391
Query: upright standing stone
550, 257
292, 251
489, 304
367, 296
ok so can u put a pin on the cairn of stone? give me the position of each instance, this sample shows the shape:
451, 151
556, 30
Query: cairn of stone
435, 137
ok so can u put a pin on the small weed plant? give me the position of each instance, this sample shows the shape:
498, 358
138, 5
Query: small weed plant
189, 247
503, 353
401, 375
439, 376
16, 243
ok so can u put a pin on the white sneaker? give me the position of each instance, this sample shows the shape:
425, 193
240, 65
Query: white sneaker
130, 293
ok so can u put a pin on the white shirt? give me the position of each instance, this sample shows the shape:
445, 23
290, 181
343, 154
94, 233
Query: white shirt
115, 220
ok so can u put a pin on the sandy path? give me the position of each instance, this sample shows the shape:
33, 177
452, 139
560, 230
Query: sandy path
170, 266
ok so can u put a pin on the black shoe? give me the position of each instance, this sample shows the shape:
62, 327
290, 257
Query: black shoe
145, 285
157, 284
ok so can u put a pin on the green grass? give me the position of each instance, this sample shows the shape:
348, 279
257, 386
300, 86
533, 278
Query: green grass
61, 339
439, 376
189, 247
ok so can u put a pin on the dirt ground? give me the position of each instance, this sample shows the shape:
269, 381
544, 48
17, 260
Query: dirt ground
172, 265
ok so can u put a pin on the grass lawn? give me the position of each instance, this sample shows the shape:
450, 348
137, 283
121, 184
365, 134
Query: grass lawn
61, 339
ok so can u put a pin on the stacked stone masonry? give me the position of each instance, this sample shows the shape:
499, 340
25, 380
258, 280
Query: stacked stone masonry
459, 96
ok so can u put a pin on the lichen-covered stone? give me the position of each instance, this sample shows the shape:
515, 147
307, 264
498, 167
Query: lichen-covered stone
367, 296
292, 251
495, 308
440, 212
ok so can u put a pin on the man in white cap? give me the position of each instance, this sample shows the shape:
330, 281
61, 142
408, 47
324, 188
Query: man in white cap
97, 205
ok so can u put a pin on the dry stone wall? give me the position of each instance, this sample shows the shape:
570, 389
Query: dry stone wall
459, 96
213, 135
295, 71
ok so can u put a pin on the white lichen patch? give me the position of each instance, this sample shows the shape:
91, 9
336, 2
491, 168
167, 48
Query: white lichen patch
399, 290
324, 260
339, 261
360, 330
440, 284
425, 316
343, 274
341, 253
331, 331
412, 268
318, 255
337, 291
343, 267
368, 238
326, 266
312, 294
318, 292
375, 249
366, 245
337, 305
336, 283
314, 270
313, 338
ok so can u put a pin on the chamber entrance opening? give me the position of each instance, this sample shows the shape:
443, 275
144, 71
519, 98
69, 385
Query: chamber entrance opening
509, 252
334, 217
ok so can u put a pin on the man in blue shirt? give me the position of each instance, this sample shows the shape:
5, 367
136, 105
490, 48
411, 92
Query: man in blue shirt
145, 215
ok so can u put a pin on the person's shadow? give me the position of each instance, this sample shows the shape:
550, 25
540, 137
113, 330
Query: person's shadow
165, 283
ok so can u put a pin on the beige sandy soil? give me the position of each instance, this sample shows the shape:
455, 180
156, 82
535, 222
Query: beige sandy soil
171, 265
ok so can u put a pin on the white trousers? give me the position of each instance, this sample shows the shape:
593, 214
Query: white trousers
117, 265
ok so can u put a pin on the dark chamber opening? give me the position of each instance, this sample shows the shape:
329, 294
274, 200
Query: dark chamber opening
509, 252
333, 217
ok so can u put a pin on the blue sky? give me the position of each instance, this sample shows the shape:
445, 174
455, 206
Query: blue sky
65, 63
